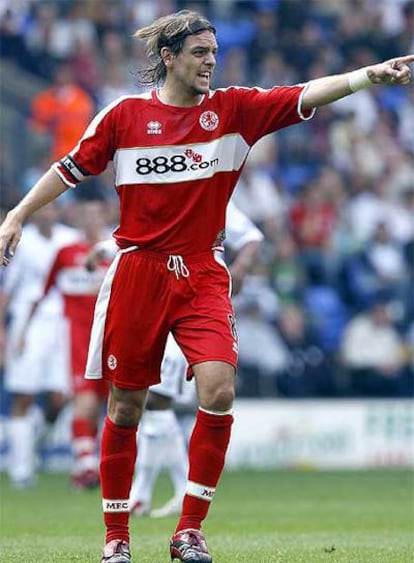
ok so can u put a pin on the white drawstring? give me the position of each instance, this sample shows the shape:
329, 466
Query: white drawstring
176, 264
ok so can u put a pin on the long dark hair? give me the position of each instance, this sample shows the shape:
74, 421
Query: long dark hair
168, 31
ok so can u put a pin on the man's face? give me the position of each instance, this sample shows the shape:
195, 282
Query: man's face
193, 67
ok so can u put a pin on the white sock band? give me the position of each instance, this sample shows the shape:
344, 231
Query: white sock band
217, 413
121, 505
200, 491
358, 79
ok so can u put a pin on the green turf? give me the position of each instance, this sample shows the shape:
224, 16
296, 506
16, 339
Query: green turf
261, 517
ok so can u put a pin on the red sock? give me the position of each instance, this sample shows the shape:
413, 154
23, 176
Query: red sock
84, 444
207, 451
118, 455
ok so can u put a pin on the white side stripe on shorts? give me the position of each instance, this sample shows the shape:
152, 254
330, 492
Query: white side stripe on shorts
109, 505
200, 491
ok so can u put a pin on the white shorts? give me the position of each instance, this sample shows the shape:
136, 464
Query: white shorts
43, 365
173, 371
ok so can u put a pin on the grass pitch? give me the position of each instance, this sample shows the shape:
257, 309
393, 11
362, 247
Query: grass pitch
261, 517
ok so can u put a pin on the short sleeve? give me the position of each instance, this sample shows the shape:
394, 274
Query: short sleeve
265, 111
94, 151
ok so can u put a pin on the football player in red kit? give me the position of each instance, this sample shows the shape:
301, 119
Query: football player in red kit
79, 289
177, 152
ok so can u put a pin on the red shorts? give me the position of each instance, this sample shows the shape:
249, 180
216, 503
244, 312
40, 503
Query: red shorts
142, 300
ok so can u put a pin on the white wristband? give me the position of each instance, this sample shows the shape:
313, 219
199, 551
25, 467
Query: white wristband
358, 79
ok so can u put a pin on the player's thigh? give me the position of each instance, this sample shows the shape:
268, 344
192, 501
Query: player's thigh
206, 329
136, 321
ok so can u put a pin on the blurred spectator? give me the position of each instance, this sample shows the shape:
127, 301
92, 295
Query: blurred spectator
386, 257
273, 70
324, 307
407, 382
262, 353
313, 219
286, 270
372, 352
54, 34
265, 41
12, 17
62, 111
365, 208
234, 68
307, 372
380, 266
84, 66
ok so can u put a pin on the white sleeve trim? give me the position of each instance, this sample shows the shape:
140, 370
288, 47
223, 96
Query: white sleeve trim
55, 168
300, 112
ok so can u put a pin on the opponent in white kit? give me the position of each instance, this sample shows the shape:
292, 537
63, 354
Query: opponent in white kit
34, 370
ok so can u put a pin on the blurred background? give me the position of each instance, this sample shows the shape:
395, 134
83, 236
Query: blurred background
326, 319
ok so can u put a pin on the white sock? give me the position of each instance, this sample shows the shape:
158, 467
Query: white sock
160, 445
21, 439
147, 469
177, 459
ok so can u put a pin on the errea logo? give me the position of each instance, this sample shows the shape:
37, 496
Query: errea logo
154, 128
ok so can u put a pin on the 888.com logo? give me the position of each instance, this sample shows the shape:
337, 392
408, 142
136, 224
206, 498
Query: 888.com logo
190, 160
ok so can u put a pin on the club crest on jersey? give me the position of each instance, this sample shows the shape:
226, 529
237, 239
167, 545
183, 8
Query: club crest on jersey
209, 120
154, 128
112, 362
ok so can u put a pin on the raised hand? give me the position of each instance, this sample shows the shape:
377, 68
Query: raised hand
394, 71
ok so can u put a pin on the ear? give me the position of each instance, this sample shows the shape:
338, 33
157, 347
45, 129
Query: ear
167, 56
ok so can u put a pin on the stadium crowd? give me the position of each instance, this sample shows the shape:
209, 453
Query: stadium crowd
328, 309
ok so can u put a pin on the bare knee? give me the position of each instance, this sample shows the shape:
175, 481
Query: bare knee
125, 406
219, 399
215, 385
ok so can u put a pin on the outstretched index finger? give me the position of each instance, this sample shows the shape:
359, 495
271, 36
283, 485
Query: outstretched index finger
405, 60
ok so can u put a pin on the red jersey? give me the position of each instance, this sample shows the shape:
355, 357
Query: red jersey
176, 167
79, 289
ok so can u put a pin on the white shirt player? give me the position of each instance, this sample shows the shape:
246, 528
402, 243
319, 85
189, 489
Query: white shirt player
23, 285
